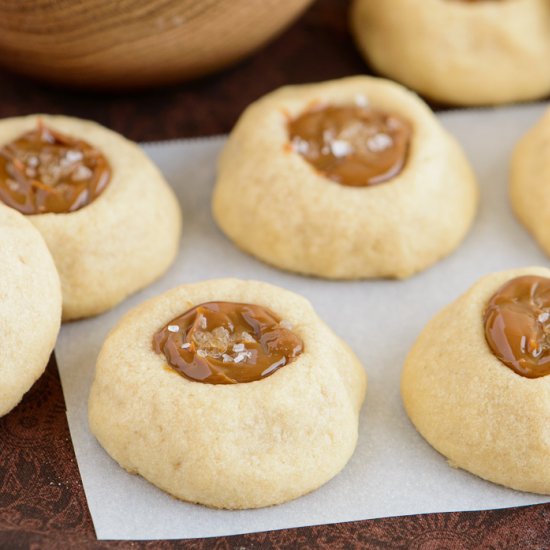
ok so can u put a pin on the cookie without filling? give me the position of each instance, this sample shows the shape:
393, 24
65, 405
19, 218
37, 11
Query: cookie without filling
219, 442
460, 52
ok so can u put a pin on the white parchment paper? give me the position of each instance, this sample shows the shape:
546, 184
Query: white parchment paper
393, 471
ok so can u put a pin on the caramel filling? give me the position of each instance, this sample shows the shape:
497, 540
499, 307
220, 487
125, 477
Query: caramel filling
517, 325
45, 171
352, 145
227, 343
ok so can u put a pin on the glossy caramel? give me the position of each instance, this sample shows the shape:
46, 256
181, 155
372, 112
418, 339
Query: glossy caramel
352, 145
45, 171
517, 325
227, 343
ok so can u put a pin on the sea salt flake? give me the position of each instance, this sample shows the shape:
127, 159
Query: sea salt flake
379, 142
82, 173
393, 123
340, 148
327, 136
300, 146
73, 156
238, 347
543, 317
239, 358
202, 338
221, 333
247, 337
227, 358
187, 345
173, 328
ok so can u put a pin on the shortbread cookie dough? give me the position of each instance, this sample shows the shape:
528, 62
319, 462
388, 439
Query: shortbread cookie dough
30, 307
457, 51
110, 220
228, 393
530, 181
476, 384
347, 179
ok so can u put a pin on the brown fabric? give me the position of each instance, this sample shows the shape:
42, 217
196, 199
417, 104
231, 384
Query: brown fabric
42, 502
40, 487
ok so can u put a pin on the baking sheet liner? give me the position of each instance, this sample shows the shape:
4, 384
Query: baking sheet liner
393, 471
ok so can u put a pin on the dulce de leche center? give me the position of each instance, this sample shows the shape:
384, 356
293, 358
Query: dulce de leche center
44, 171
227, 343
353, 145
517, 325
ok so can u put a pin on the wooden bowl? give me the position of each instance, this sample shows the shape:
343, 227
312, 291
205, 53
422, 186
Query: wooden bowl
135, 43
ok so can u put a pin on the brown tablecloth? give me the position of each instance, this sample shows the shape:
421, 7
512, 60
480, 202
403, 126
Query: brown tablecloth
42, 502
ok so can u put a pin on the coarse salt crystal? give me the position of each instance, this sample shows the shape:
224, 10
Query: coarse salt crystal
300, 146
340, 148
74, 156
202, 353
239, 358
543, 317
379, 142
173, 328
393, 123
82, 173
238, 347
187, 345
227, 358
247, 337
327, 136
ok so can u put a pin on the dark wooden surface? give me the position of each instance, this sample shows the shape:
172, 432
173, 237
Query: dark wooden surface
317, 47
42, 502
